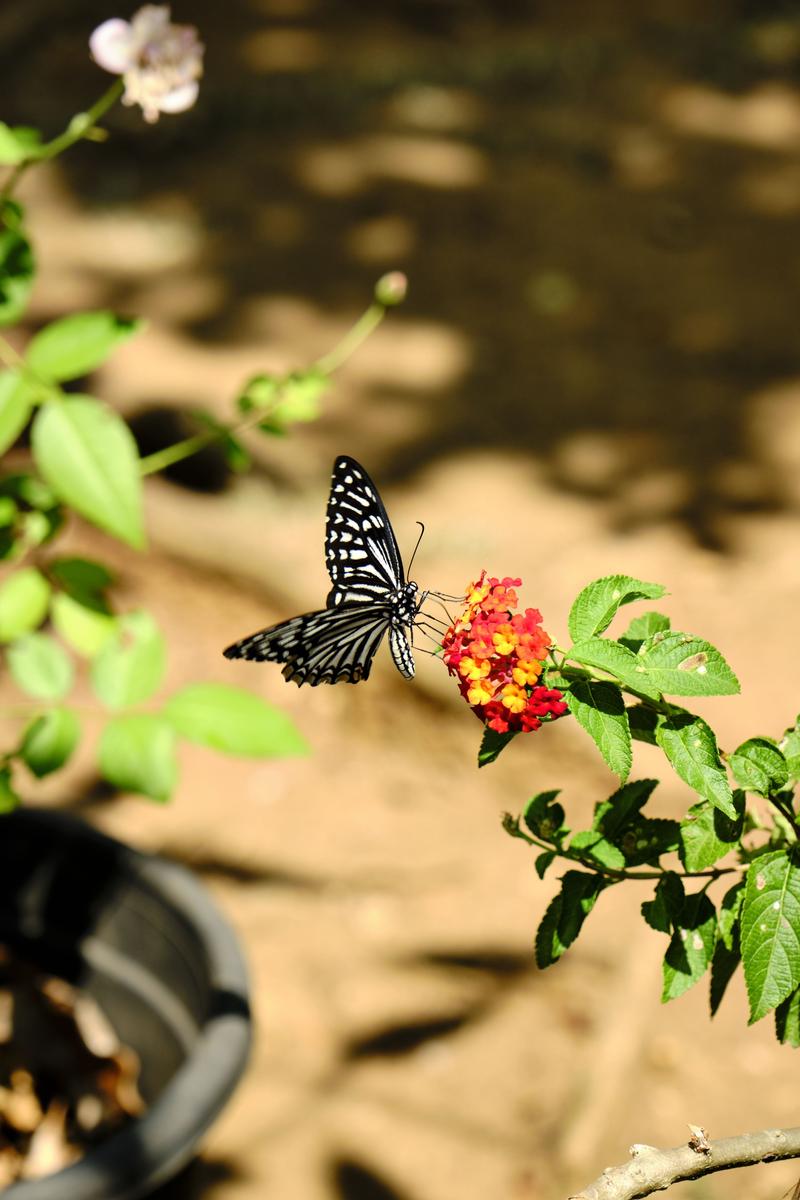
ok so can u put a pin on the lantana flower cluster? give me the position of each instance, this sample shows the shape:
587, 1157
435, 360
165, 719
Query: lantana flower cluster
497, 657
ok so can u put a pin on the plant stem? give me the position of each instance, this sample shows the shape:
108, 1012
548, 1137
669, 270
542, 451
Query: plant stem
366, 324
81, 126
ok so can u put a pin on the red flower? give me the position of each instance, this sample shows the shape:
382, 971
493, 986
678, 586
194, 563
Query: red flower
497, 657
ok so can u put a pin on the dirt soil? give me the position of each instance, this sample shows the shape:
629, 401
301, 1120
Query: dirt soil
597, 370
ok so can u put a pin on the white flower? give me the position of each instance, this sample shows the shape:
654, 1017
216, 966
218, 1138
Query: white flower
160, 63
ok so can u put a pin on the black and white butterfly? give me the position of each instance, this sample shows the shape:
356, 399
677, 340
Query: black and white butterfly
369, 597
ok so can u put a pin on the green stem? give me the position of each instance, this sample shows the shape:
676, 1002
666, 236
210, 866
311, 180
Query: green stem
81, 126
366, 324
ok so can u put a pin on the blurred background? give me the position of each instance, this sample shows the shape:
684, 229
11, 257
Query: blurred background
597, 369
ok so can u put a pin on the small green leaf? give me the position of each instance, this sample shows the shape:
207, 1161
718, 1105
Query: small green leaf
17, 143
647, 838
759, 766
83, 580
17, 269
682, 665
9, 800
599, 709
137, 754
691, 946
708, 834
787, 1020
83, 629
492, 745
663, 912
596, 606
544, 861
234, 721
565, 915
729, 913
790, 748
593, 846
49, 741
40, 666
544, 817
75, 345
87, 454
614, 815
771, 931
646, 626
723, 967
17, 396
691, 748
23, 603
130, 667
617, 660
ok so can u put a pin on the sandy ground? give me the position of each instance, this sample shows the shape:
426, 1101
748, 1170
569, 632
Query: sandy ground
597, 370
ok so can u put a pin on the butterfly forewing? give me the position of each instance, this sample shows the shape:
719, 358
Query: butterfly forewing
361, 551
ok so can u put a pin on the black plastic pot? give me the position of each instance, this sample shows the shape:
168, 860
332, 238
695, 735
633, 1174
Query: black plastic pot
143, 938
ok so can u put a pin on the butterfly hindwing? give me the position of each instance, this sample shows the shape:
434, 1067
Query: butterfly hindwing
361, 551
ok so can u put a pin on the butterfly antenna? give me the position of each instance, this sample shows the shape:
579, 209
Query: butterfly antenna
416, 548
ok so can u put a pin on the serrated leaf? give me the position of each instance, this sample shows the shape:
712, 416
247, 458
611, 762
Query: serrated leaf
232, 720
723, 967
770, 931
646, 626
645, 839
590, 844
613, 815
599, 709
729, 912
759, 766
565, 915
544, 817
691, 748
492, 745
40, 666
682, 665
544, 861
662, 913
137, 754
643, 723
17, 396
49, 741
17, 143
708, 834
88, 455
23, 603
691, 946
617, 660
17, 270
130, 667
787, 1020
83, 629
77, 344
790, 747
595, 607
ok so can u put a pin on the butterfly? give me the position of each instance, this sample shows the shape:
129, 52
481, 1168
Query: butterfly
369, 597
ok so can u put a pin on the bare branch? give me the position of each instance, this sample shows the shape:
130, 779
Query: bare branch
651, 1170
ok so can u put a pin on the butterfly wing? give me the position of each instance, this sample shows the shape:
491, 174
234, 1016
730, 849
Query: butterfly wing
327, 646
361, 551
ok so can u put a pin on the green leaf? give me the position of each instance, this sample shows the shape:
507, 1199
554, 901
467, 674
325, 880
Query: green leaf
596, 606
9, 800
708, 834
492, 745
16, 404
40, 666
17, 270
137, 754
771, 931
647, 838
644, 627
234, 721
691, 748
75, 345
787, 1020
130, 667
759, 766
729, 913
544, 817
565, 915
613, 816
23, 603
643, 722
592, 845
285, 401
83, 580
723, 967
17, 143
83, 629
691, 946
49, 741
600, 710
682, 665
618, 661
663, 912
87, 454
790, 747
544, 861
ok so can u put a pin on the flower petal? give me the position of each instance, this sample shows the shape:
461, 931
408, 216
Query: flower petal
180, 98
113, 46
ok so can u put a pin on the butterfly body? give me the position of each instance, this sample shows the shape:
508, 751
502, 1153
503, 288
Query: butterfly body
369, 597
